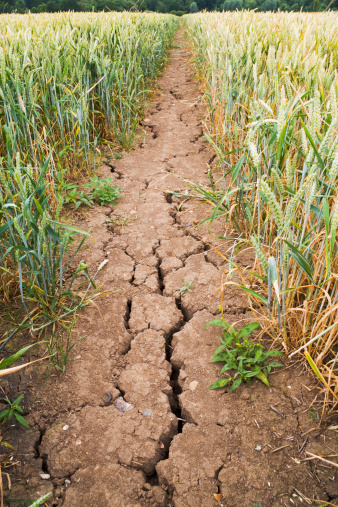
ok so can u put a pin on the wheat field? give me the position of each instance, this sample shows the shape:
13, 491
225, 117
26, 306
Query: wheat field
271, 89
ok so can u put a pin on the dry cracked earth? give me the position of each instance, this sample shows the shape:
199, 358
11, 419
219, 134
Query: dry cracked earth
178, 444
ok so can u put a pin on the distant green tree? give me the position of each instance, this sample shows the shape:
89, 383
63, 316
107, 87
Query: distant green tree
269, 5
250, 4
40, 8
176, 6
109, 5
20, 7
68, 5
161, 7
7, 6
52, 6
129, 5
233, 5
87, 5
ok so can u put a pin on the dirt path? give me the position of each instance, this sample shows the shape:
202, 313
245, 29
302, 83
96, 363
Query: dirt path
180, 444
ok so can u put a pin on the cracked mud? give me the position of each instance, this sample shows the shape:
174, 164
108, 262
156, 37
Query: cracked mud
179, 444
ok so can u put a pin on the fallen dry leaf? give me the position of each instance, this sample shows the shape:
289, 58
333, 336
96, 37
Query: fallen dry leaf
217, 497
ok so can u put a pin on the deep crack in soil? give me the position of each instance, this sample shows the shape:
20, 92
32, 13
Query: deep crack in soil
180, 444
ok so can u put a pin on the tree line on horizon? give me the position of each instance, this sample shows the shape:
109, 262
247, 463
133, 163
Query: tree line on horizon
177, 7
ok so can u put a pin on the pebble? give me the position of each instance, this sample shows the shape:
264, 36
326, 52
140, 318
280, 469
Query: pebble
258, 448
193, 385
189, 224
107, 397
45, 477
147, 412
65, 427
122, 406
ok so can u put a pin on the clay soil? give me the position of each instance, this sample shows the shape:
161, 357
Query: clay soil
180, 444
